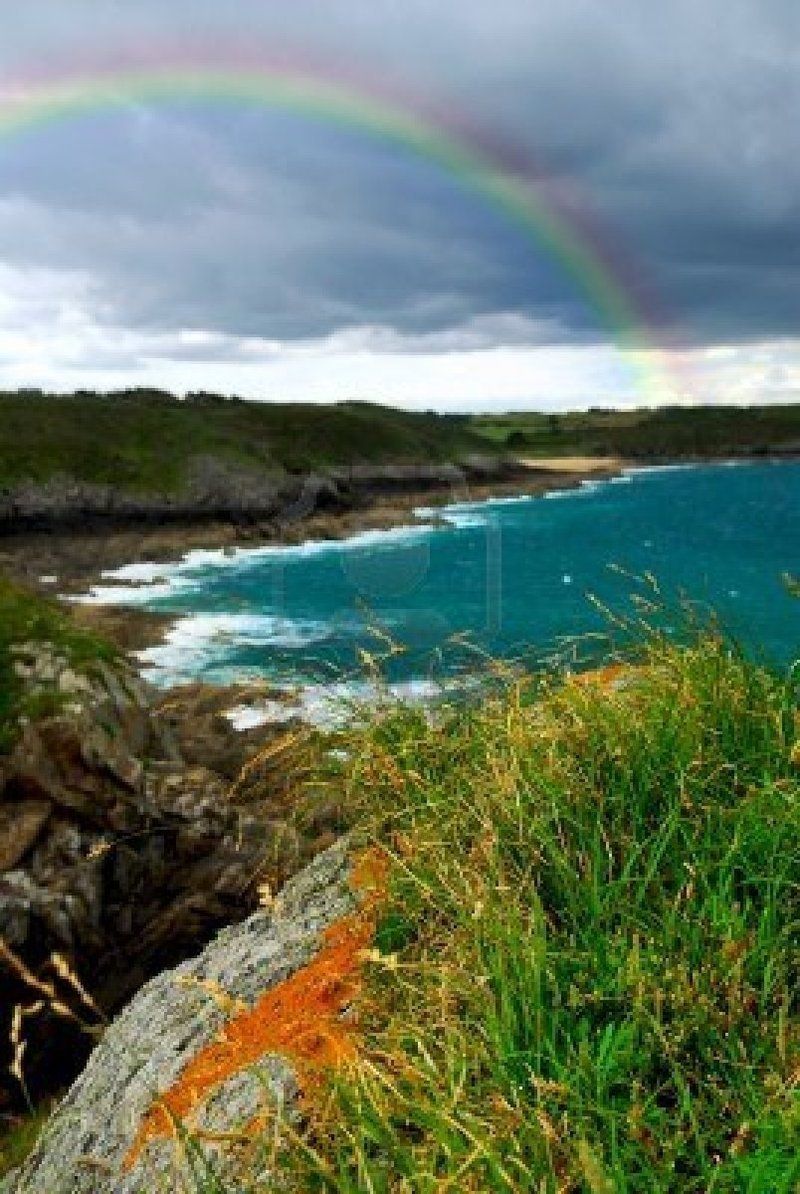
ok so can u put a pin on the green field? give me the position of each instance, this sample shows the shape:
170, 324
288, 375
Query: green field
670, 433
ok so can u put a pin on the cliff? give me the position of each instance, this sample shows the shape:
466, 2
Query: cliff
572, 965
133, 824
216, 490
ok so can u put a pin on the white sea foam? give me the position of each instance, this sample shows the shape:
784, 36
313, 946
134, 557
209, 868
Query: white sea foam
329, 706
465, 515
199, 642
146, 580
131, 594
461, 515
684, 466
250, 717
141, 572
587, 486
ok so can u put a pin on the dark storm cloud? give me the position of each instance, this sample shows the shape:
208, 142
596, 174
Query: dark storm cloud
676, 124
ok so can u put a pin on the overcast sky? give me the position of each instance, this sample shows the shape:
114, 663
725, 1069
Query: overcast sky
251, 250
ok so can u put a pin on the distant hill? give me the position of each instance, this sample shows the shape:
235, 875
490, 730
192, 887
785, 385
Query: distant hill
148, 441
143, 440
669, 433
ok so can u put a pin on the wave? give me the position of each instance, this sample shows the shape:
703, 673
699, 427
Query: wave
683, 466
148, 580
460, 515
467, 515
134, 594
583, 489
200, 644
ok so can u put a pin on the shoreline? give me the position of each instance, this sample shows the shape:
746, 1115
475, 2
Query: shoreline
68, 564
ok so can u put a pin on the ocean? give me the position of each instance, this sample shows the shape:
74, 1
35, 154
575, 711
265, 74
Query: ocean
522, 579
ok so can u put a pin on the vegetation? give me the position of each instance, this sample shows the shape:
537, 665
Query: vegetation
664, 434
142, 440
586, 968
26, 617
18, 1139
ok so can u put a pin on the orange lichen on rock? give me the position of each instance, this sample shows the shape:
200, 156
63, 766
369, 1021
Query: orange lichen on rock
369, 873
603, 677
300, 1019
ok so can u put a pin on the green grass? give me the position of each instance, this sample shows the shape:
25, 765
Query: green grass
663, 434
27, 617
589, 946
143, 441
18, 1139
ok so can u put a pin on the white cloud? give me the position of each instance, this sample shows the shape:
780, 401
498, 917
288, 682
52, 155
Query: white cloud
57, 331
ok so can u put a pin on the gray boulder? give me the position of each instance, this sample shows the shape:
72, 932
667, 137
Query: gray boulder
88, 1145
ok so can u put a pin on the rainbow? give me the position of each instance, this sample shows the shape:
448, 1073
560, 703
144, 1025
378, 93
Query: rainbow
479, 165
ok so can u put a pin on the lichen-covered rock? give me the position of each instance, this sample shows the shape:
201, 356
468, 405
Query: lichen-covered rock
198, 1025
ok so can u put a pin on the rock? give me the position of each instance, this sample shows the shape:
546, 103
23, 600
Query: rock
102, 750
72, 683
20, 826
31, 772
192, 717
48, 762
125, 844
114, 685
106, 1136
222, 490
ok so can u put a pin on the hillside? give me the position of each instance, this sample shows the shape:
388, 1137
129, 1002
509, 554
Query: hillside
669, 433
142, 458
146, 442
26, 618
143, 440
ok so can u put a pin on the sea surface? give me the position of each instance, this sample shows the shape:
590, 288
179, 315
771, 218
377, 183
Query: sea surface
510, 579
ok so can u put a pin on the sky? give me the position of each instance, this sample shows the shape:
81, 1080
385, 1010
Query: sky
199, 243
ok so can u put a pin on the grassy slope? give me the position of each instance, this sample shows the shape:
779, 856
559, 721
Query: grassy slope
649, 434
588, 977
142, 441
26, 617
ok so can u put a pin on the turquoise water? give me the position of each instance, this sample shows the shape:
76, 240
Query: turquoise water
507, 578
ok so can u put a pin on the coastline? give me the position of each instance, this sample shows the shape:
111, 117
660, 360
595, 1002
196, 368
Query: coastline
69, 563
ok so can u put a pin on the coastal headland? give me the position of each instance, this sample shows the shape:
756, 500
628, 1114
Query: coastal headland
138, 823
